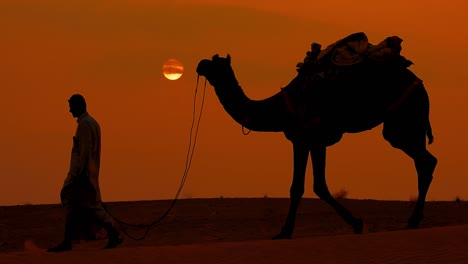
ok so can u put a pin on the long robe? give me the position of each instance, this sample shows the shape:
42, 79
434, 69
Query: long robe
85, 158
81, 195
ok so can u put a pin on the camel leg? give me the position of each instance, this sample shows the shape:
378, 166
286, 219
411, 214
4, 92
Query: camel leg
425, 164
301, 154
320, 188
406, 129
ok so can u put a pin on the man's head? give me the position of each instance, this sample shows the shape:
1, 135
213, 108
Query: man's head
77, 105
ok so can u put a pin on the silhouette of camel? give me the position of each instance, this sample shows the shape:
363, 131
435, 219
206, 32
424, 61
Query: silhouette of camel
314, 112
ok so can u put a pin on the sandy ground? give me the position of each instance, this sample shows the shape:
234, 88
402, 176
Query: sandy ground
239, 231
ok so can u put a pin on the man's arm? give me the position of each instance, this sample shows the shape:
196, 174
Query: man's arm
80, 156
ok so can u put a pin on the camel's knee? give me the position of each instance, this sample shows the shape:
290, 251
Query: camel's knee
426, 164
424, 181
296, 192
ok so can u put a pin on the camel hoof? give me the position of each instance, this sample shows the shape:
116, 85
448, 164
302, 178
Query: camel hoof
358, 226
282, 236
412, 224
414, 221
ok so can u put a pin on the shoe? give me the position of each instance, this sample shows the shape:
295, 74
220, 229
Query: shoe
113, 242
113, 236
64, 246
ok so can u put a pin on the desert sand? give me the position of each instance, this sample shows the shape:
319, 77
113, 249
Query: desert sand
239, 230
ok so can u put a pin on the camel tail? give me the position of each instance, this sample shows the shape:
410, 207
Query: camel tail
430, 137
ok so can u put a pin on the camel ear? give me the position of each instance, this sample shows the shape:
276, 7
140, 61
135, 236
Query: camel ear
228, 58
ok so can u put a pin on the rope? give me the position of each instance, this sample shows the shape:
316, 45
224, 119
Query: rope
245, 133
188, 163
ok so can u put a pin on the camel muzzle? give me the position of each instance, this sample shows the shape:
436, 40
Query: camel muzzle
204, 67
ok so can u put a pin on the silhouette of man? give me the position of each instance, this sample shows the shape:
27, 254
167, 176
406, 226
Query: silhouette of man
80, 194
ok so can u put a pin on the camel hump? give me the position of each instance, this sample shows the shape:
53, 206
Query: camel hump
347, 51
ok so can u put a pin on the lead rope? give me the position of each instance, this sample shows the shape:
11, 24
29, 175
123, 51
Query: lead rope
188, 163
245, 133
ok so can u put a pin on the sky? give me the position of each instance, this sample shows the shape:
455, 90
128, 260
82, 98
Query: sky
112, 52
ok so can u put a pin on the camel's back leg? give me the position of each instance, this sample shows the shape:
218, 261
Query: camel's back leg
318, 153
406, 128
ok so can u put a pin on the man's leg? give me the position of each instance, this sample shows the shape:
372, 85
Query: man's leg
70, 225
87, 224
113, 234
71, 207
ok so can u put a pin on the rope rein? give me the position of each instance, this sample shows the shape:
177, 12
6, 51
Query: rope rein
188, 163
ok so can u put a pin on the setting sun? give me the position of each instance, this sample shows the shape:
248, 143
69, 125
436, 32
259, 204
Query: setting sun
173, 69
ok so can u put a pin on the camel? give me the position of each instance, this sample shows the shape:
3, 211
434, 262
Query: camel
314, 112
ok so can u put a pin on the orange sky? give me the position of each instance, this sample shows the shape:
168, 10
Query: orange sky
112, 52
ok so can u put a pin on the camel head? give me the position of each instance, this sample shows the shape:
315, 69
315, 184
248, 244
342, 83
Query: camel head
217, 71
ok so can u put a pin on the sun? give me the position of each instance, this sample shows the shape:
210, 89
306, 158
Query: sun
172, 69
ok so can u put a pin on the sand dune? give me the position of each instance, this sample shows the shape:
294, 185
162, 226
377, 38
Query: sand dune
239, 231
430, 245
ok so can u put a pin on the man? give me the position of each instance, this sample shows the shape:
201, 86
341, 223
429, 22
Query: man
80, 194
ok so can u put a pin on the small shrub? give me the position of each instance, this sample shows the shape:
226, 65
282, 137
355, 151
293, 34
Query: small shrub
341, 194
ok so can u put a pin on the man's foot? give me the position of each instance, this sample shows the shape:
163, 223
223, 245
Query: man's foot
113, 242
113, 236
282, 236
64, 246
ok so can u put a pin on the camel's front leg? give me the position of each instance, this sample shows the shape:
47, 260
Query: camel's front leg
318, 153
301, 154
